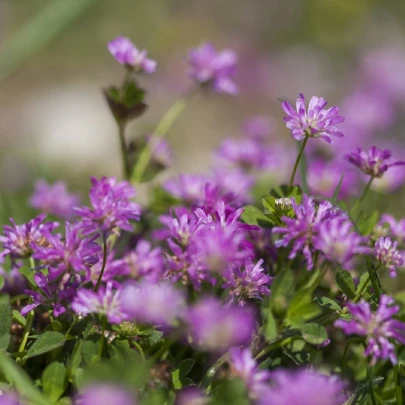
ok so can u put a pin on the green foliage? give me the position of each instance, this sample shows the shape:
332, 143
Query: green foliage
282, 287
345, 283
45, 343
6, 320
54, 380
179, 375
313, 333
231, 392
253, 216
301, 308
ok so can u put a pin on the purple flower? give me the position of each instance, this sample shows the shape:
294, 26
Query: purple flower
144, 261
397, 227
19, 240
303, 388
54, 199
376, 327
58, 295
191, 396
317, 122
374, 162
245, 367
216, 328
339, 244
304, 227
105, 394
158, 304
386, 253
259, 127
9, 398
247, 282
14, 282
212, 68
74, 253
126, 53
187, 187
161, 153
111, 207
103, 302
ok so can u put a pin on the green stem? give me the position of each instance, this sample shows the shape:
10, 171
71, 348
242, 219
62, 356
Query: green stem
102, 338
161, 130
398, 386
366, 189
361, 292
124, 151
371, 385
375, 282
138, 346
27, 331
103, 265
300, 153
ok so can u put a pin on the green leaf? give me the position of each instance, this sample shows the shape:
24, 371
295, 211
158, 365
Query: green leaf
313, 333
45, 343
270, 331
6, 320
337, 190
231, 392
185, 367
176, 380
54, 381
327, 303
345, 283
133, 94
366, 223
28, 273
301, 308
21, 381
281, 288
253, 216
19, 318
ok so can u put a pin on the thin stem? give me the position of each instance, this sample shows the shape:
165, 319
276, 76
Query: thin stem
124, 151
102, 338
361, 292
300, 153
161, 130
139, 347
371, 385
27, 331
375, 282
103, 265
366, 189
398, 386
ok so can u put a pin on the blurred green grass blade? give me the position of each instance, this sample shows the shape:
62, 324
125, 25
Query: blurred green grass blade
49, 22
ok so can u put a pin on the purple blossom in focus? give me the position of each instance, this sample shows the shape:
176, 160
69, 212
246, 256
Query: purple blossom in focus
245, 367
374, 162
212, 68
126, 53
385, 251
339, 243
302, 230
247, 282
54, 199
157, 304
215, 328
376, 327
19, 241
316, 122
103, 302
58, 295
303, 388
111, 207
105, 394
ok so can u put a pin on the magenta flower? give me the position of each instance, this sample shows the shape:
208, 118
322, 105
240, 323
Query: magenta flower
105, 394
386, 253
376, 327
9, 398
157, 304
259, 127
245, 367
339, 243
247, 282
303, 388
374, 162
111, 207
191, 396
103, 302
316, 122
14, 282
57, 295
54, 199
212, 68
126, 53
397, 227
187, 187
216, 328
19, 241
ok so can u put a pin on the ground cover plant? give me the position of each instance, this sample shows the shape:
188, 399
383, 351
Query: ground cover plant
214, 291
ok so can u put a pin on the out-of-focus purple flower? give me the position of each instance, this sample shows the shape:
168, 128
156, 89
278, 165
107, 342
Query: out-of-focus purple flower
215, 328
74, 252
158, 304
111, 207
187, 187
191, 396
323, 177
337, 241
376, 327
54, 199
58, 295
103, 302
212, 68
304, 227
144, 261
259, 127
126, 53
303, 388
247, 282
392, 180
9, 398
387, 254
374, 162
161, 153
245, 367
14, 282
105, 394
397, 227
19, 240
316, 122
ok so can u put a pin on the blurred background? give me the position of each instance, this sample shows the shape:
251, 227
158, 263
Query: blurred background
55, 124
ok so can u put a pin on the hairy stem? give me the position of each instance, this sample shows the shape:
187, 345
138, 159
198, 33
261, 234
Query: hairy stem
300, 153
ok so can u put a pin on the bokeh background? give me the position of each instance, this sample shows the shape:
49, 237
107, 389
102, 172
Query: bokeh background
55, 124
